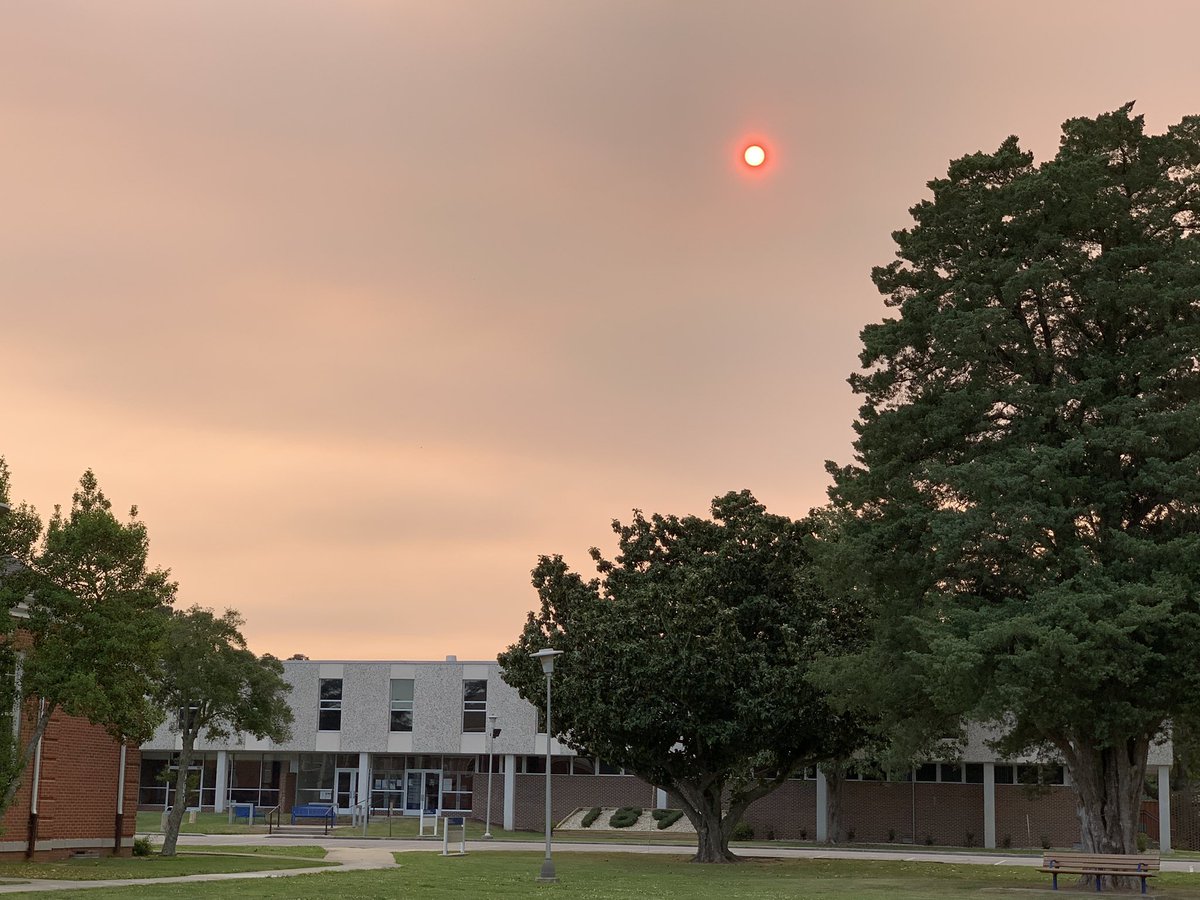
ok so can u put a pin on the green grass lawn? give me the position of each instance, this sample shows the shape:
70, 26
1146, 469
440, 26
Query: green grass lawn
620, 875
149, 821
245, 850
247, 859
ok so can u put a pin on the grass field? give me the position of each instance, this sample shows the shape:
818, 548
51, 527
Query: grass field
621, 875
247, 859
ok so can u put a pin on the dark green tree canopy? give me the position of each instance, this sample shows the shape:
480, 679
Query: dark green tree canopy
83, 619
96, 616
1024, 507
687, 659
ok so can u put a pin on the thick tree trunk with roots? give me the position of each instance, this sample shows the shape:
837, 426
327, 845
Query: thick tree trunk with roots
714, 814
1109, 781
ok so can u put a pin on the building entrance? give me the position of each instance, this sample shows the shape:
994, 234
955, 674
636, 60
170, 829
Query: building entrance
422, 790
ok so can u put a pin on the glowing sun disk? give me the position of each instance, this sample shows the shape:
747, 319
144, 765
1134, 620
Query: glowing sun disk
755, 155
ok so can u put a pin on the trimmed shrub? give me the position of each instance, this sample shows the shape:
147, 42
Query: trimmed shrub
590, 816
742, 831
667, 817
142, 847
625, 817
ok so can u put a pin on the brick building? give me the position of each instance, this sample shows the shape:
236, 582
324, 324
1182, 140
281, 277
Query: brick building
76, 788
408, 736
73, 795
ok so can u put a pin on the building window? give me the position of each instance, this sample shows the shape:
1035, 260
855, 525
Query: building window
402, 704
952, 772
329, 715
474, 706
185, 719
974, 773
1004, 774
535, 765
927, 772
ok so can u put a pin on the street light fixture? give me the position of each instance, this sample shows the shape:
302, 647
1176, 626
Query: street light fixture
491, 746
546, 658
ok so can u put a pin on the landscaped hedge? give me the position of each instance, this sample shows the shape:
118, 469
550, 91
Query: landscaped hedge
667, 817
625, 817
590, 816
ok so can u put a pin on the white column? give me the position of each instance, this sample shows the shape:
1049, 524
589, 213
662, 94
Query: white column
822, 808
364, 777
1164, 809
222, 784
510, 790
660, 798
989, 805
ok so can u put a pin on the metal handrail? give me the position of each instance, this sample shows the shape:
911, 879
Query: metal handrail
365, 806
273, 811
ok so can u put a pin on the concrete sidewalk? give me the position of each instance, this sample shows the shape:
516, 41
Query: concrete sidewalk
349, 859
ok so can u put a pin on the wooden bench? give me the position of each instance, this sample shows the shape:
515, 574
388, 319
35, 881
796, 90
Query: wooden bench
1065, 862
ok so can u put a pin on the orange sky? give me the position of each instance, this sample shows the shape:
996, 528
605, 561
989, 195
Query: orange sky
366, 304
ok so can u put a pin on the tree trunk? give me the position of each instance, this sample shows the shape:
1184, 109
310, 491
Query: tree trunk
833, 804
704, 807
1109, 781
17, 773
175, 818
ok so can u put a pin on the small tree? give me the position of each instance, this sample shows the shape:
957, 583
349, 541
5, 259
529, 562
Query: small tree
688, 659
87, 639
217, 686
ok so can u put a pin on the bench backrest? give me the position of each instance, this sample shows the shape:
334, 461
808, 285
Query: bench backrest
310, 810
1066, 859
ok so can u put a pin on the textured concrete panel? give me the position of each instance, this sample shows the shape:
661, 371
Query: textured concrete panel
366, 703
437, 708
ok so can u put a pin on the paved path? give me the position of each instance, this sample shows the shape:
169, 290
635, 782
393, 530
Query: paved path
366, 853
908, 853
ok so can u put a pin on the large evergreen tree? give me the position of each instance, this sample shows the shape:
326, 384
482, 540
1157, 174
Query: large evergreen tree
1024, 509
688, 659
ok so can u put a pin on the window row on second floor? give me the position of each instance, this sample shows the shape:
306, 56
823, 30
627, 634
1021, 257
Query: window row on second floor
400, 712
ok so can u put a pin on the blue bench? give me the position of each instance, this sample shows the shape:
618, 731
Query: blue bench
315, 811
244, 811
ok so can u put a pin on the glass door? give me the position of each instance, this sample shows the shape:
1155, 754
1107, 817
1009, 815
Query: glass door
422, 790
345, 793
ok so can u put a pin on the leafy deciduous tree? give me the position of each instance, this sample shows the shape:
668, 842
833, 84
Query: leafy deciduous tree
92, 623
217, 686
687, 659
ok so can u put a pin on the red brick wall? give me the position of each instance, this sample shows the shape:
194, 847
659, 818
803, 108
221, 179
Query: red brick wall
788, 813
1185, 818
77, 794
1026, 818
567, 793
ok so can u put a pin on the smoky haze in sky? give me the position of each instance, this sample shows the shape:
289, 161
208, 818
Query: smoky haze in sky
367, 304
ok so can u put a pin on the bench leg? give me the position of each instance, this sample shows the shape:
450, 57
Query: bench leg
1143, 884
1054, 880
1098, 887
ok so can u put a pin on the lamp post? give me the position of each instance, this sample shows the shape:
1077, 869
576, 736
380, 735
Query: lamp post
546, 658
491, 746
